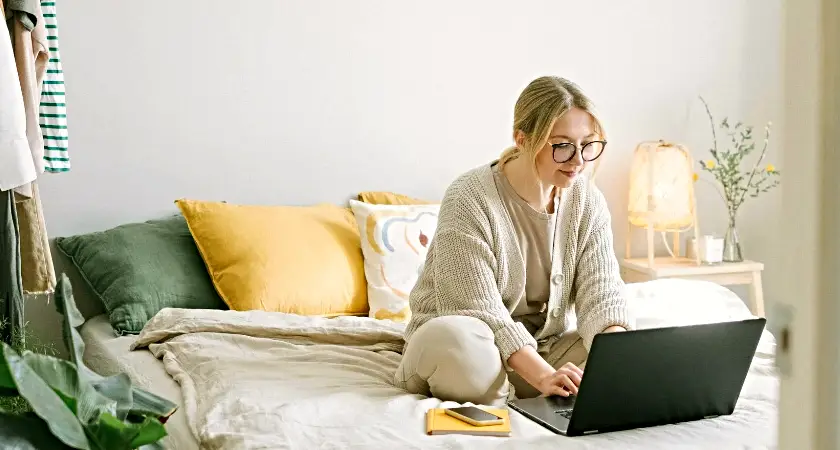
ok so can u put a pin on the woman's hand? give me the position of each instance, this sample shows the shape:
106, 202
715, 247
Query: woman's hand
562, 382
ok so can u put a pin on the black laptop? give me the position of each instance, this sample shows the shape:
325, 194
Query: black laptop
653, 377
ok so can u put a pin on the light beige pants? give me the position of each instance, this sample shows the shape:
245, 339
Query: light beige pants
455, 358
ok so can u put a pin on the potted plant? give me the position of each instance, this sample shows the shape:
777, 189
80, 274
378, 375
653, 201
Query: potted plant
735, 184
67, 405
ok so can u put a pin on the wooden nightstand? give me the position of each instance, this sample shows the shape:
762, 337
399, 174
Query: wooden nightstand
726, 274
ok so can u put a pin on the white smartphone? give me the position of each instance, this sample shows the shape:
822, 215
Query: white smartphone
475, 416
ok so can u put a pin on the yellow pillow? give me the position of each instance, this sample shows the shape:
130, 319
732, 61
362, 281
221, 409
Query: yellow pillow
390, 198
303, 260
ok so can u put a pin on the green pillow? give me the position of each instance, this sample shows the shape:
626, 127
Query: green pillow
140, 268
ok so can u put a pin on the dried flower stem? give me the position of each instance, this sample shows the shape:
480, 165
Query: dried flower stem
757, 163
714, 150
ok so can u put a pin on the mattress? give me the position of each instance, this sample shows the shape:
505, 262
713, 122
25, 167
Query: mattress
109, 354
264, 380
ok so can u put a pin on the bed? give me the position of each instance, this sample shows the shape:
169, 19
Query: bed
258, 380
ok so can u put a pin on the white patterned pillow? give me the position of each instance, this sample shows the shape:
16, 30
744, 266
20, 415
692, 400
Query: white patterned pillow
395, 241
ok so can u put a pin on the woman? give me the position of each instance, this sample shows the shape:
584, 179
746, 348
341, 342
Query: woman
520, 242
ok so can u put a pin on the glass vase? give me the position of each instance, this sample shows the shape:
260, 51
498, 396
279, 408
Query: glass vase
731, 244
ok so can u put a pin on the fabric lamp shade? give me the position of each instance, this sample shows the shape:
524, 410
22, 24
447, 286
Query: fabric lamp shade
661, 192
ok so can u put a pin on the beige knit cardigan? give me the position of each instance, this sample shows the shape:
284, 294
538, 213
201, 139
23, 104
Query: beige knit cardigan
474, 266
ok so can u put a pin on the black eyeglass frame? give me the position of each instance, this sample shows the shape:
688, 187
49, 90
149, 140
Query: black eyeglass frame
555, 147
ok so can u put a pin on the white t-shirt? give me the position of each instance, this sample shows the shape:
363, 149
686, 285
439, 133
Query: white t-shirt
535, 235
16, 165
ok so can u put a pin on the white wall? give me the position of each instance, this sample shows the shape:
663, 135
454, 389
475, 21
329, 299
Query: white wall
294, 102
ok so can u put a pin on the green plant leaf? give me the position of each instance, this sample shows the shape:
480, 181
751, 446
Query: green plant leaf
92, 404
73, 319
80, 396
110, 433
7, 382
144, 402
59, 375
45, 403
118, 389
27, 433
149, 432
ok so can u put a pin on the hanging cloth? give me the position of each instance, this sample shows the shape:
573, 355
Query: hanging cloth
29, 38
11, 284
53, 112
29, 41
16, 165
11, 143
37, 269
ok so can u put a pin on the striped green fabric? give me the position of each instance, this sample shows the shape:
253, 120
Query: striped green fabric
53, 107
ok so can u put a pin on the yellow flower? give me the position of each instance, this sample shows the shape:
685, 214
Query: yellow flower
771, 168
710, 164
695, 176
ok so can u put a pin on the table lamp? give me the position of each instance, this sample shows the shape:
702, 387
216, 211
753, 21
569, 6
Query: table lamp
661, 195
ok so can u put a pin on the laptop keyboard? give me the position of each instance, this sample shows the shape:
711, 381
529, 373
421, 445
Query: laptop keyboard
567, 413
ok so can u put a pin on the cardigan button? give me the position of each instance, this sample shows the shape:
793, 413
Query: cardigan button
557, 279
556, 313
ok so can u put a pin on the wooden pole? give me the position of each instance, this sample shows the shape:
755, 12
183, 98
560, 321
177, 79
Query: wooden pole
628, 238
676, 244
651, 202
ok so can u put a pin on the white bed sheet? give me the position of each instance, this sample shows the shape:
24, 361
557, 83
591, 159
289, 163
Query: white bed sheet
257, 380
108, 354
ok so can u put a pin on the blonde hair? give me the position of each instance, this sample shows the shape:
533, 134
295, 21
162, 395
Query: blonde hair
540, 104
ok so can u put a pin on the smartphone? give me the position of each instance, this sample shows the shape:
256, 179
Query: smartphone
475, 416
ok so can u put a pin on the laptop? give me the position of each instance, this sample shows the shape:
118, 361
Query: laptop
653, 377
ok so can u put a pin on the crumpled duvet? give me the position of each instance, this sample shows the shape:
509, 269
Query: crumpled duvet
259, 380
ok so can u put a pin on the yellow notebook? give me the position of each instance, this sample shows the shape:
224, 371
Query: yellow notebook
438, 422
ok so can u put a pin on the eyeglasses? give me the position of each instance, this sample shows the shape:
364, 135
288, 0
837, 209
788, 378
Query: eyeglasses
565, 151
